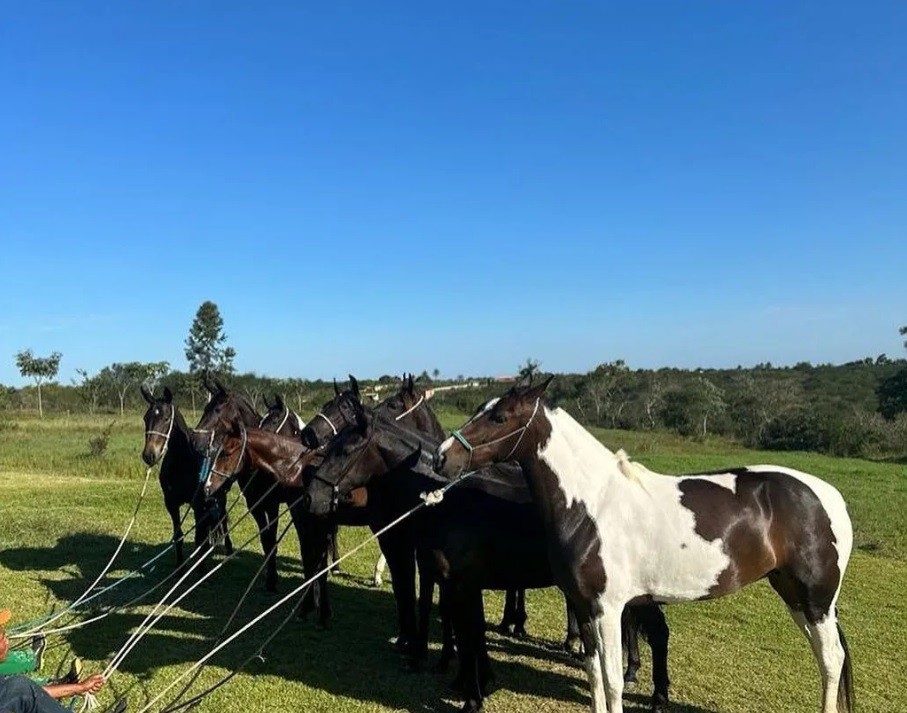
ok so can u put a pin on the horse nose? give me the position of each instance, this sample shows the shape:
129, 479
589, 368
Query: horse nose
148, 457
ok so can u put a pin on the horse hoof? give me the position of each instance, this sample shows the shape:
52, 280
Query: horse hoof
471, 707
660, 704
519, 632
401, 646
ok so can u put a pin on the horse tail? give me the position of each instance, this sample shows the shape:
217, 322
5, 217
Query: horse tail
845, 685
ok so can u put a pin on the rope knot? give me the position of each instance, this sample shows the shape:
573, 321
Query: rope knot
434, 497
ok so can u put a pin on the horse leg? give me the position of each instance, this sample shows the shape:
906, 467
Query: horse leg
380, 566
630, 639
483, 662
466, 619
573, 644
611, 654
228, 543
592, 662
174, 511
519, 614
313, 547
509, 616
335, 551
425, 562
812, 609
448, 649
651, 619
267, 532
402, 562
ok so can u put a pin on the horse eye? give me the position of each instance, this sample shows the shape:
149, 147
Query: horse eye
497, 418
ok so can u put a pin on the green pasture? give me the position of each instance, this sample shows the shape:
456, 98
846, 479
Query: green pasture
62, 512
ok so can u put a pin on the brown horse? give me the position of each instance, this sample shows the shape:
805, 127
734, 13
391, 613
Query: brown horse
621, 533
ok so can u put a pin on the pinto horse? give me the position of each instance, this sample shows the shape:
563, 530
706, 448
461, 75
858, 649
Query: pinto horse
483, 535
167, 440
621, 533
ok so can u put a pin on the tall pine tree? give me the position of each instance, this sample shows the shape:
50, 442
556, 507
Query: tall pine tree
206, 346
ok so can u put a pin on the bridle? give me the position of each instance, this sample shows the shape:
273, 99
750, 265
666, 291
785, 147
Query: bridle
346, 419
470, 449
165, 436
411, 408
229, 477
335, 487
286, 416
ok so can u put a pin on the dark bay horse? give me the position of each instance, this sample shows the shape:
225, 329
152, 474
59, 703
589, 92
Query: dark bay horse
620, 533
483, 535
167, 440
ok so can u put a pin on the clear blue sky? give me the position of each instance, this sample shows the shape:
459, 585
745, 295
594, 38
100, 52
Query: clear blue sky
378, 186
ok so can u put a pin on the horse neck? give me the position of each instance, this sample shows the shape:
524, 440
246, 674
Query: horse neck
567, 468
180, 446
428, 422
266, 454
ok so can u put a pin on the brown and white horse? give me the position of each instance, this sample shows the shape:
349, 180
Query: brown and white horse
621, 533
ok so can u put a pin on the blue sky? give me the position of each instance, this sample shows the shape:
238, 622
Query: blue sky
380, 187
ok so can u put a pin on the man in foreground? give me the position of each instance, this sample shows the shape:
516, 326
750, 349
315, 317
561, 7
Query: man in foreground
19, 694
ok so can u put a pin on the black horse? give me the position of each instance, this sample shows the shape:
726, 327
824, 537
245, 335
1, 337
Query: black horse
223, 413
167, 439
485, 534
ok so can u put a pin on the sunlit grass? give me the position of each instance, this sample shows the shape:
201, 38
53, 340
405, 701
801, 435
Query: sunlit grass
62, 511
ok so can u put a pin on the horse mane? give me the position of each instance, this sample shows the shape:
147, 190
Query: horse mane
630, 470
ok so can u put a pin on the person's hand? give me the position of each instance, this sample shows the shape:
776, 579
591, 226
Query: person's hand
4, 646
93, 684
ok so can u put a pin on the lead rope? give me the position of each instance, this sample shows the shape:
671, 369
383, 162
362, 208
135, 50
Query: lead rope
84, 596
134, 638
428, 499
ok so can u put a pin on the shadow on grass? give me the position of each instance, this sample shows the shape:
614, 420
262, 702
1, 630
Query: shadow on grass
351, 658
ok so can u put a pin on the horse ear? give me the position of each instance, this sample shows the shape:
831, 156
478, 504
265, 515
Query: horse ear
146, 393
336, 388
540, 389
524, 383
220, 387
209, 386
410, 384
362, 421
354, 386
168, 395
278, 401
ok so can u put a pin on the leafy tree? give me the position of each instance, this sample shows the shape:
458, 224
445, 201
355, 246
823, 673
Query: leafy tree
91, 388
40, 369
609, 388
892, 393
530, 368
206, 346
435, 373
124, 376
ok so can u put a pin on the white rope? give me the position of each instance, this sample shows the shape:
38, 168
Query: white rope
84, 597
411, 408
328, 420
204, 659
148, 623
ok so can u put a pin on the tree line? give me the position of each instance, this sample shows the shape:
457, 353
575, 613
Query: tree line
853, 409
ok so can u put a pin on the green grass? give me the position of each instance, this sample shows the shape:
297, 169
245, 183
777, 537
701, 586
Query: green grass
62, 512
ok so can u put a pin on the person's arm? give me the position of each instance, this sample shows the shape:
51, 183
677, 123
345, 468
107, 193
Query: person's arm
92, 684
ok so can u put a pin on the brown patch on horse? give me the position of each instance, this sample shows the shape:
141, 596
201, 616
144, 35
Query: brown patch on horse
772, 523
358, 497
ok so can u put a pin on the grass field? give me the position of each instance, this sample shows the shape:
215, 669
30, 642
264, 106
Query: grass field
62, 512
